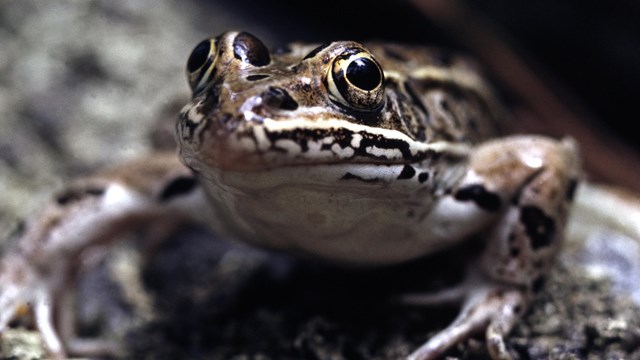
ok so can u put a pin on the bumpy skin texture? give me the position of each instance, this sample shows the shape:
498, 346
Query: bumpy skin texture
358, 155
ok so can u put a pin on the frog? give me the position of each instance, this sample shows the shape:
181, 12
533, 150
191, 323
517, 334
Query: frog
359, 155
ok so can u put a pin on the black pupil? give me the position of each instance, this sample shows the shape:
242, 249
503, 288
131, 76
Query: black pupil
364, 73
198, 56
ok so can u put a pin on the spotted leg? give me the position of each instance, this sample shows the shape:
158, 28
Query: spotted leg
518, 189
91, 212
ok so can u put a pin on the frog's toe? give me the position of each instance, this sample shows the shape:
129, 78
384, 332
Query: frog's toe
42, 308
11, 305
21, 292
488, 309
13, 292
506, 312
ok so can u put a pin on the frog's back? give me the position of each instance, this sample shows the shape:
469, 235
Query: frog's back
440, 95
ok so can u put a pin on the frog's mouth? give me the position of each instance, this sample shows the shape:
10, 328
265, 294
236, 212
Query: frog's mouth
269, 144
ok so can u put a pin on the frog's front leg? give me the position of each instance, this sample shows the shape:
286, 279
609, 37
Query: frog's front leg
89, 213
517, 193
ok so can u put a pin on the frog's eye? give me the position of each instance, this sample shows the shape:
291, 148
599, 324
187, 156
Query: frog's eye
250, 50
201, 64
355, 80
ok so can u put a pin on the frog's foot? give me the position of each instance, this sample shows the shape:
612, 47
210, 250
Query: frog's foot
20, 292
23, 290
489, 308
91, 214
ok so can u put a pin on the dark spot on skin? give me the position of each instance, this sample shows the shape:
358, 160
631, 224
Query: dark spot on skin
537, 284
72, 195
391, 83
350, 176
393, 54
251, 50
423, 177
514, 252
407, 172
421, 134
416, 99
478, 194
540, 228
472, 123
444, 104
517, 309
177, 187
315, 51
446, 107
571, 189
279, 98
458, 95
212, 101
189, 125
326, 146
256, 77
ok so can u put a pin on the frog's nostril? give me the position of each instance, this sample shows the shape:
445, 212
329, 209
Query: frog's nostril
279, 98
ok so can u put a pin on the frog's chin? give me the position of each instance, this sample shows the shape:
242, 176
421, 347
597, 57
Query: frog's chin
353, 210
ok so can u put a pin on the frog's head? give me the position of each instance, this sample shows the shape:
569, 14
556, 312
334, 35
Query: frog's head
300, 105
336, 142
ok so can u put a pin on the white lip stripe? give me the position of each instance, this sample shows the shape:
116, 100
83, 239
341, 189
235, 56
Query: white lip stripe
415, 147
380, 152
